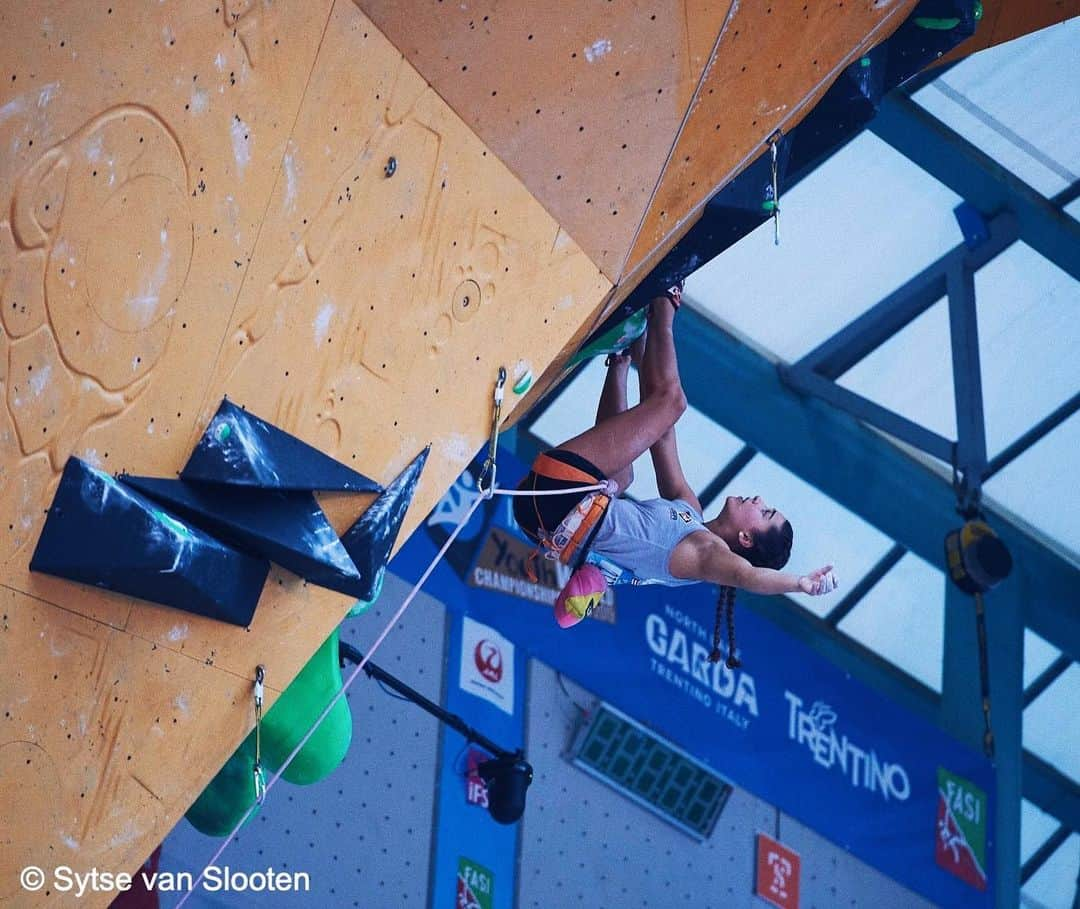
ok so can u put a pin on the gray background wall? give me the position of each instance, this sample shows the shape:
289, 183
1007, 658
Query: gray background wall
364, 834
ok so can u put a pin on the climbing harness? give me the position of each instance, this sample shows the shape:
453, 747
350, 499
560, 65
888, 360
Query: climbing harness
488, 472
576, 530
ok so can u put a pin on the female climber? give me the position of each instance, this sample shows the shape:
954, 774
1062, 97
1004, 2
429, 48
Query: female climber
664, 540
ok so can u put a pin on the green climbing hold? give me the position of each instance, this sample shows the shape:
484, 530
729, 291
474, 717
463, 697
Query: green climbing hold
937, 25
978, 12
298, 707
615, 339
864, 62
768, 206
224, 431
229, 796
523, 384
232, 792
362, 606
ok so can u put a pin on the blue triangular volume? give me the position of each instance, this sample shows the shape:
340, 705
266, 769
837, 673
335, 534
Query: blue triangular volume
288, 528
103, 533
239, 449
371, 538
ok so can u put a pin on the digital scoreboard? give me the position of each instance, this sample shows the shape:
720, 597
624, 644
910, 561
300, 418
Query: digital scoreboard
652, 772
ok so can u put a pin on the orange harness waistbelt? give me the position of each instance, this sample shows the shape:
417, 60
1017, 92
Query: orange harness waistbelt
577, 527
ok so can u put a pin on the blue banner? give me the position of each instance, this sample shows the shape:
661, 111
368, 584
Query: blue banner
475, 860
891, 788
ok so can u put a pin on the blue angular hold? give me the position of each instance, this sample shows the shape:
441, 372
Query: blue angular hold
371, 538
286, 527
103, 533
239, 449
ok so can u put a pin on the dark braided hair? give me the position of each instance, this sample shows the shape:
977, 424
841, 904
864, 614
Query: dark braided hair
725, 606
771, 549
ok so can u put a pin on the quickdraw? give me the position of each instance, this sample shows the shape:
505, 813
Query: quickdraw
487, 472
257, 769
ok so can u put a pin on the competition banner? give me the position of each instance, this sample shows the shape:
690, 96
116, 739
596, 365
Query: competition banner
890, 787
485, 682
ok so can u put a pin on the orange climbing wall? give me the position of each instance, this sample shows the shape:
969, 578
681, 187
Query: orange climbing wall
582, 101
770, 66
197, 205
622, 120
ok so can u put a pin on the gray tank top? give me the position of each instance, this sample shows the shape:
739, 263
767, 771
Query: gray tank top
640, 537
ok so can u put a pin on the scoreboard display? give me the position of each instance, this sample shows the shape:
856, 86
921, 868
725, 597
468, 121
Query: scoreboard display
652, 772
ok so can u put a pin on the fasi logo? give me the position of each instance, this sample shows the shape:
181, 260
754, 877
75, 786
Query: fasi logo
960, 844
489, 661
475, 885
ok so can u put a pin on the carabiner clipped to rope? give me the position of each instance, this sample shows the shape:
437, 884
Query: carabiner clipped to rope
487, 472
774, 148
257, 770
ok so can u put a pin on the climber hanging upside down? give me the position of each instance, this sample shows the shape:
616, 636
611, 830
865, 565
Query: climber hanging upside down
664, 540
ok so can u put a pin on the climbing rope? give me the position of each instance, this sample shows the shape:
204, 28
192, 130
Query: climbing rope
984, 676
484, 494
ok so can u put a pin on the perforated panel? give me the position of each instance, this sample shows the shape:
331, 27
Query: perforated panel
363, 833
585, 844
832, 879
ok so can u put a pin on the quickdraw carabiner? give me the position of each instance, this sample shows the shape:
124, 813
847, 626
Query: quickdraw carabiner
257, 770
487, 472
774, 148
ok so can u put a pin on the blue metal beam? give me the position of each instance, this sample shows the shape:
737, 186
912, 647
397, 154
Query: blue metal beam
742, 391
716, 485
865, 585
1046, 425
1046, 678
1039, 856
978, 178
962, 711
835, 356
967, 381
1048, 788
866, 410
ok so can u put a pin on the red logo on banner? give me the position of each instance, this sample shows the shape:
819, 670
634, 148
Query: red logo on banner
777, 879
489, 661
